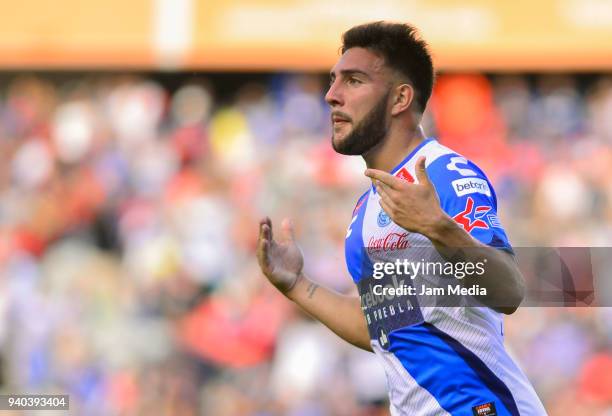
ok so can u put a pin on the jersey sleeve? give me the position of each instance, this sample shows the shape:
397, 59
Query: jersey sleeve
467, 196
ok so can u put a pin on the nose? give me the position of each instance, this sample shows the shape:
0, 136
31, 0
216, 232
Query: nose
334, 95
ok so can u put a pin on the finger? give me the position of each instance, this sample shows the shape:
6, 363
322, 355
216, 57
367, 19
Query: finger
421, 172
386, 178
388, 202
266, 233
288, 232
392, 196
384, 191
387, 208
262, 254
265, 228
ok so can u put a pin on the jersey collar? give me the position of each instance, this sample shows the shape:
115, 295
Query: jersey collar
407, 158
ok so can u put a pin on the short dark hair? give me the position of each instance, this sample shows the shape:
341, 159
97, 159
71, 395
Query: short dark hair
402, 50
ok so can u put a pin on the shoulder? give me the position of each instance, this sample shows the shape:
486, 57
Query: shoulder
465, 194
453, 175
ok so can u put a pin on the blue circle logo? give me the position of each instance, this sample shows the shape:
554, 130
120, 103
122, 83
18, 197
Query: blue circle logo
383, 219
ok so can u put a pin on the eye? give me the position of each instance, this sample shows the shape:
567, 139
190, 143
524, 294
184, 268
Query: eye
353, 81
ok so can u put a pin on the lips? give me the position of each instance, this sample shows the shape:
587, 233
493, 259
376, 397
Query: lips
339, 119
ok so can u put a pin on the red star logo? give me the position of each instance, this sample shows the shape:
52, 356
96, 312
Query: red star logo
470, 218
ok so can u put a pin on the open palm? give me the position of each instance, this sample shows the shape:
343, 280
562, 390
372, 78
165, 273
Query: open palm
281, 261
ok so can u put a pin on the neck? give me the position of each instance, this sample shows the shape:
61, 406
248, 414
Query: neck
394, 148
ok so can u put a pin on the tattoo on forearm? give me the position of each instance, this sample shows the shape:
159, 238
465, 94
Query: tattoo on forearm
311, 289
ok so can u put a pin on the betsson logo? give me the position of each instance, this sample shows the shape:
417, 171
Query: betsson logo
465, 186
392, 241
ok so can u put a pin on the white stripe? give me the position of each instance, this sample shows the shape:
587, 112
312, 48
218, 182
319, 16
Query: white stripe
432, 151
407, 397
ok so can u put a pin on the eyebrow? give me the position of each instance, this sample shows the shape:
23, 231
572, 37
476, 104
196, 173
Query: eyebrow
348, 72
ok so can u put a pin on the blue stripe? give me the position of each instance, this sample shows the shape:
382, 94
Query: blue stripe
451, 373
357, 261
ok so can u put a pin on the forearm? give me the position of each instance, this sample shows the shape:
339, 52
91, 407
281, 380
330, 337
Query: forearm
340, 313
502, 279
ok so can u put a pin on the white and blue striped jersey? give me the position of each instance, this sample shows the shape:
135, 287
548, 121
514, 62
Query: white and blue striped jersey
438, 360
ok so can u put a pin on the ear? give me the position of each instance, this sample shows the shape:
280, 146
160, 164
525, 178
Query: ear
403, 96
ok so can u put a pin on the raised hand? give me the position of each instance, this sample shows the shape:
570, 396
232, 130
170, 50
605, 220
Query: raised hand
281, 262
414, 207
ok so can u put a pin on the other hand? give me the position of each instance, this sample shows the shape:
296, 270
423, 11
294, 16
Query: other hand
413, 206
281, 262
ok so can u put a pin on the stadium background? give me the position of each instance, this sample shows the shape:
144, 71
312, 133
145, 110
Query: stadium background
141, 141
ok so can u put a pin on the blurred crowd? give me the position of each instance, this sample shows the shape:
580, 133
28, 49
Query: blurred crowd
129, 211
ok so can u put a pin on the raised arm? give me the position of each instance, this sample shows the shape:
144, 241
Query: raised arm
416, 208
282, 263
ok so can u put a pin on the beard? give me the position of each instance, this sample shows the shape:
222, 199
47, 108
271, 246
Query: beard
366, 134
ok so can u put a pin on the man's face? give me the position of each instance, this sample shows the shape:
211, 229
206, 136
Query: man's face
358, 96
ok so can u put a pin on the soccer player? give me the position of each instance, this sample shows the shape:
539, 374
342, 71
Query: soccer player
426, 204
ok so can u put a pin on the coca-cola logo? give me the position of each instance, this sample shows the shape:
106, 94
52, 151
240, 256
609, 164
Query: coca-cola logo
391, 242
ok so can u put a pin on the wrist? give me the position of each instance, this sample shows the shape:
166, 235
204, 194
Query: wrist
438, 229
293, 288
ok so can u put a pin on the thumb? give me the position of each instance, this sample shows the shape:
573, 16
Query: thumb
421, 172
288, 233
